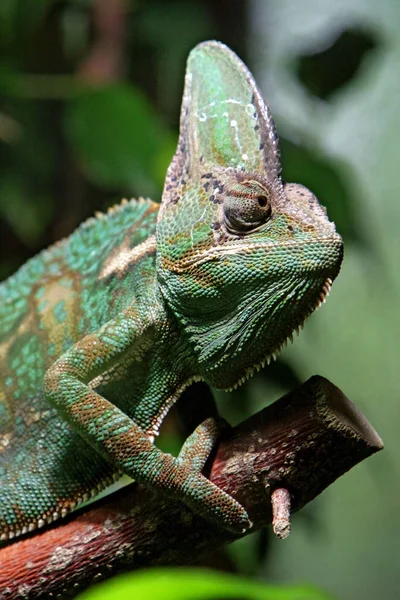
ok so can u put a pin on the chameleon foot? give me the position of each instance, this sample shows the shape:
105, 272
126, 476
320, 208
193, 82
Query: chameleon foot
199, 493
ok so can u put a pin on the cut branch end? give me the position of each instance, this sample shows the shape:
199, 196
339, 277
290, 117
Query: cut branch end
280, 502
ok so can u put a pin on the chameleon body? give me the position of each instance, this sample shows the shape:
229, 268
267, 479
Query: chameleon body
100, 333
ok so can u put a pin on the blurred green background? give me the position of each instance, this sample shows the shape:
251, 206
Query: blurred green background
89, 106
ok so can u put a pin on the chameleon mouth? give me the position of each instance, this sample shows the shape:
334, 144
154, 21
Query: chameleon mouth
321, 299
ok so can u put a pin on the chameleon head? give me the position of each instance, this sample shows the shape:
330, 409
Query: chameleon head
242, 259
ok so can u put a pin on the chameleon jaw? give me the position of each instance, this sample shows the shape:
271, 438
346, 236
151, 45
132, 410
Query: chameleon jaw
272, 356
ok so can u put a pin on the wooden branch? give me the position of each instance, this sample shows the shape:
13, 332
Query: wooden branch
284, 455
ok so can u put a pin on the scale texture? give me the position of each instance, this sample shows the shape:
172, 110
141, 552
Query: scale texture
101, 333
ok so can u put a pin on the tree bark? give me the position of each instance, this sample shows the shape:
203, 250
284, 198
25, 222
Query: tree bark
280, 458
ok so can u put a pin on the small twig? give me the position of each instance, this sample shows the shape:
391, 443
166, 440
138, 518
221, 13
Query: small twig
280, 502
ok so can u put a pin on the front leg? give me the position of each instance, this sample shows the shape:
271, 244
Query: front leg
122, 441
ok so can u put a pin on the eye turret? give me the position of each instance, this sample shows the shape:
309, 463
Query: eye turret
247, 206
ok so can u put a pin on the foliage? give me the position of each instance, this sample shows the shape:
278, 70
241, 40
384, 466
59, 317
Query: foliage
195, 584
115, 135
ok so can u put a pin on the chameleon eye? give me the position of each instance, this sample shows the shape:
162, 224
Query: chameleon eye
262, 201
245, 210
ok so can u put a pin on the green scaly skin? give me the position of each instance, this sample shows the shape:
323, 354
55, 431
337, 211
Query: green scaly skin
102, 332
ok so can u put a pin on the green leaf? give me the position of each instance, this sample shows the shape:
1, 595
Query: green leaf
115, 134
195, 584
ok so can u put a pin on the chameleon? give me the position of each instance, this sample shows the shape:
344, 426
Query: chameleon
101, 333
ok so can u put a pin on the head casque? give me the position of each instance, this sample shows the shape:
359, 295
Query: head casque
242, 259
